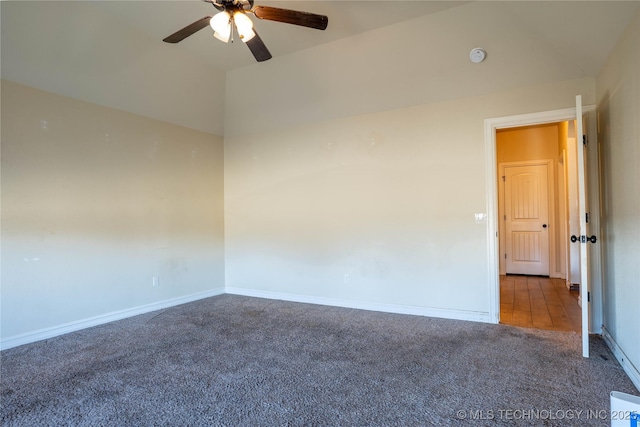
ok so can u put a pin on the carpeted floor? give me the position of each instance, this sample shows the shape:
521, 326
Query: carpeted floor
239, 361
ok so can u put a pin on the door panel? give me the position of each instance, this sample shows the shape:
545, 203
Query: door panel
582, 207
526, 247
527, 219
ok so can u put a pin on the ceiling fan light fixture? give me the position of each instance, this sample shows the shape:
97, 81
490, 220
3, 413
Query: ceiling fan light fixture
234, 13
223, 36
221, 24
244, 26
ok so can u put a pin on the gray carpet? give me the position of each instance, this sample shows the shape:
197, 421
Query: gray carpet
239, 361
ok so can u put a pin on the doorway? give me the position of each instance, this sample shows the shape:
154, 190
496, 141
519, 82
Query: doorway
495, 257
533, 214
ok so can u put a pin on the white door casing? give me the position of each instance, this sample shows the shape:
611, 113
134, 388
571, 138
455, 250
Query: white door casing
526, 216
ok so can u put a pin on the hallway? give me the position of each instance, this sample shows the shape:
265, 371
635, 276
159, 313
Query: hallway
539, 302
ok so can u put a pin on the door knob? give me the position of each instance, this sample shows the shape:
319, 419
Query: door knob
544, 225
584, 239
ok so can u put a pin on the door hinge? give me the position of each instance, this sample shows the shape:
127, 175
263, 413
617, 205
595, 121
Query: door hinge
505, 256
586, 215
505, 217
503, 178
588, 296
584, 140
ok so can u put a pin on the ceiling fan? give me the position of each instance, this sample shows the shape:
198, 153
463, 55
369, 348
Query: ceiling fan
233, 13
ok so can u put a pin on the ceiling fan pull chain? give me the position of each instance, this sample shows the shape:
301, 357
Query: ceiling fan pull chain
233, 29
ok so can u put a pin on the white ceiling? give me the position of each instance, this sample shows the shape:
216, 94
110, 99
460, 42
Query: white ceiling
159, 19
111, 52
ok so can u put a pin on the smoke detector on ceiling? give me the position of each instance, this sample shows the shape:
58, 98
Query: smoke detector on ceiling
477, 55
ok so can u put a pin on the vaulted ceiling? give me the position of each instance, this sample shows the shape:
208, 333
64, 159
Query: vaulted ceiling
111, 52
346, 18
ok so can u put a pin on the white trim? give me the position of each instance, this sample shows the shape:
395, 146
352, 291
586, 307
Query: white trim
490, 127
632, 371
66, 328
475, 316
493, 265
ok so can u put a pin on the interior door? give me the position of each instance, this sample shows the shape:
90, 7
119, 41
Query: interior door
526, 209
584, 238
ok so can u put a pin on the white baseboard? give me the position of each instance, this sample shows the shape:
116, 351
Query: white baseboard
66, 328
55, 331
475, 316
622, 358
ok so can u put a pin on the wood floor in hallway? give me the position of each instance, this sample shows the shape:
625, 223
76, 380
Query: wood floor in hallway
539, 302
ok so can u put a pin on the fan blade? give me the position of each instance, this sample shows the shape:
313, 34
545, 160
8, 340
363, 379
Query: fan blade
188, 30
258, 48
304, 19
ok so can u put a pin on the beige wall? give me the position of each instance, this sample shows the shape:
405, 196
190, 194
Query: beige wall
95, 203
373, 209
618, 94
354, 170
563, 134
538, 142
